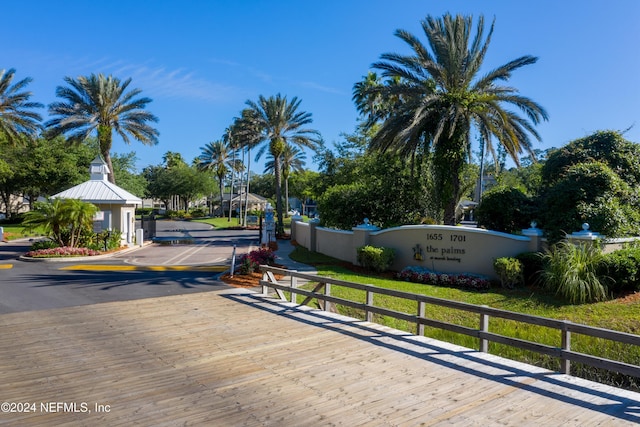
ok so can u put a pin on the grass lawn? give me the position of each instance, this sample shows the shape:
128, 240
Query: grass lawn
17, 231
621, 314
222, 223
219, 223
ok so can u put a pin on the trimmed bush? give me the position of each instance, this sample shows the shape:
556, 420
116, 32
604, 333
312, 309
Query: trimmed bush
532, 266
375, 259
623, 268
510, 270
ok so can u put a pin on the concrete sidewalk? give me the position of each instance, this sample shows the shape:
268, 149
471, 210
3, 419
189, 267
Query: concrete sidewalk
282, 257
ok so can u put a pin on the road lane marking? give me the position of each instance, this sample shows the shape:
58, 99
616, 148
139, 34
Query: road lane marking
5, 266
187, 253
103, 267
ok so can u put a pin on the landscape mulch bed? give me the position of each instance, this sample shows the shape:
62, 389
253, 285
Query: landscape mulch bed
243, 280
252, 280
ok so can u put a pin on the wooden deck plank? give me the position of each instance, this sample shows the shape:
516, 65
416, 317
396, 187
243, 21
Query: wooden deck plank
224, 359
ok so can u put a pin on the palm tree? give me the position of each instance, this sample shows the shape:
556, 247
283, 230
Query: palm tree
236, 165
280, 123
217, 157
65, 220
101, 104
16, 117
292, 159
247, 135
439, 97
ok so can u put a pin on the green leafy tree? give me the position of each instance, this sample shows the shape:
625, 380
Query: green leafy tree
218, 158
264, 185
41, 167
437, 96
280, 123
595, 180
159, 185
609, 147
124, 167
505, 209
65, 220
379, 188
17, 118
304, 185
181, 181
591, 193
101, 104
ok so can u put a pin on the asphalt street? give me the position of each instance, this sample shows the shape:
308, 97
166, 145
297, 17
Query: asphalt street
187, 257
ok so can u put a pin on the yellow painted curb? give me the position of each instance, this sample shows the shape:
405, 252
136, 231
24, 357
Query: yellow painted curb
97, 267
5, 266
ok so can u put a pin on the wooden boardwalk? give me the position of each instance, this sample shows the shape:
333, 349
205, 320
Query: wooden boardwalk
234, 358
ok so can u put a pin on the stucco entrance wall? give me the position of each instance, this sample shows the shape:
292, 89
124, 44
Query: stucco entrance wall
440, 248
449, 249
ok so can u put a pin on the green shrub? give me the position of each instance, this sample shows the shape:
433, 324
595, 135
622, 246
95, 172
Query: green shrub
144, 211
375, 259
98, 241
571, 271
532, 266
505, 209
510, 270
198, 212
589, 192
43, 244
623, 268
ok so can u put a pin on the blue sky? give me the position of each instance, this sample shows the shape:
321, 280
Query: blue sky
200, 61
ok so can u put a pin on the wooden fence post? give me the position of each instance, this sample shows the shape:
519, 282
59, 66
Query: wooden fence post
484, 327
265, 288
327, 292
421, 311
369, 304
565, 364
294, 285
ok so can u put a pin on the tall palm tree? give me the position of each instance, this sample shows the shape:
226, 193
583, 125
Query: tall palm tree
247, 134
102, 104
236, 165
292, 159
16, 116
217, 157
280, 123
440, 97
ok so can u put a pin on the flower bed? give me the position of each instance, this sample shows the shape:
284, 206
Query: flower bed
60, 252
428, 277
249, 262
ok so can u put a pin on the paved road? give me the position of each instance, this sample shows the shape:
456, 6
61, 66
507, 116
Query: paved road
190, 261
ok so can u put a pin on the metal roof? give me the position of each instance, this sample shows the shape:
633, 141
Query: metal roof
98, 190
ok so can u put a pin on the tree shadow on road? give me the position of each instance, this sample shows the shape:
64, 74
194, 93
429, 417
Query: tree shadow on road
172, 282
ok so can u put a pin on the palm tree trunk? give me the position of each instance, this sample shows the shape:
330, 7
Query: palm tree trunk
286, 194
104, 142
240, 205
230, 195
278, 179
221, 188
246, 200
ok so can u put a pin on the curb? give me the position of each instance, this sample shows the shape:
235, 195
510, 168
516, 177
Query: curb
83, 258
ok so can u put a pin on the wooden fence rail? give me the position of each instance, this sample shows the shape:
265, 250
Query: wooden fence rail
322, 292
